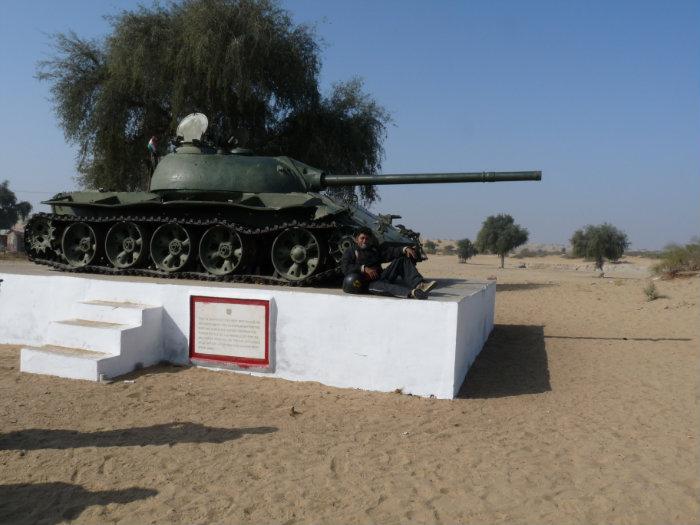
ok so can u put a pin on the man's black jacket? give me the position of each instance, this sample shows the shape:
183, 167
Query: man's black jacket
354, 258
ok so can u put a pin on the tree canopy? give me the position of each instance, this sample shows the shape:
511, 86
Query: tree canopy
600, 242
10, 209
499, 235
465, 250
243, 63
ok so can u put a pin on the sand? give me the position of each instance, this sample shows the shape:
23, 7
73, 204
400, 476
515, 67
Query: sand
582, 408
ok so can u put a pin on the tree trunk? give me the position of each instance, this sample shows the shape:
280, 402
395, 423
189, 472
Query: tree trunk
503, 259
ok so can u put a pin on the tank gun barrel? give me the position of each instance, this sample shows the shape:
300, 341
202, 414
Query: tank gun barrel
428, 178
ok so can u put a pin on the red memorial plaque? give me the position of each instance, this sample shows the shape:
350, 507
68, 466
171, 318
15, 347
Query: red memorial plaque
230, 331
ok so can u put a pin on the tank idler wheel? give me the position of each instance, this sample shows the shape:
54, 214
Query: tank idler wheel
124, 245
296, 254
79, 244
41, 236
221, 250
170, 247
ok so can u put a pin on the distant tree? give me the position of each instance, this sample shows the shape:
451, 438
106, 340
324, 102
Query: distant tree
10, 209
600, 242
430, 247
465, 250
244, 63
500, 235
448, 249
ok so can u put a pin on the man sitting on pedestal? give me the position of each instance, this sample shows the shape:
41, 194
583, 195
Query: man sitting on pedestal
361, 265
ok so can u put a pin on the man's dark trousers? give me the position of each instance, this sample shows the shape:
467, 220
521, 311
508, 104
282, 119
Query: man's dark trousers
402, 267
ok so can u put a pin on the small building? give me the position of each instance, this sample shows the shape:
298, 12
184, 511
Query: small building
12, 239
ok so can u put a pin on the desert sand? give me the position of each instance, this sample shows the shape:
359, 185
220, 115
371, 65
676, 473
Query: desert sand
582, 408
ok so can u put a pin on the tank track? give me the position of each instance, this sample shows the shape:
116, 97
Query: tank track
54, 258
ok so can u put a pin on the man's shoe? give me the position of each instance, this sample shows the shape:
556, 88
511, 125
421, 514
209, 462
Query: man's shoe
426, 286
417, 293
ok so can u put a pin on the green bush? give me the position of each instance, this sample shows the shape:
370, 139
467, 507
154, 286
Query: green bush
676, 259
465, 250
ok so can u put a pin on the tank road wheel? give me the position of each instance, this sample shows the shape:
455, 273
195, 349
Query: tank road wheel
296, 254
79, 244
40, 236
170, 247
124, 245
221, 250
338, 243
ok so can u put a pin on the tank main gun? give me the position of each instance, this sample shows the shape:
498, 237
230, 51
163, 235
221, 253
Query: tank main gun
328, 181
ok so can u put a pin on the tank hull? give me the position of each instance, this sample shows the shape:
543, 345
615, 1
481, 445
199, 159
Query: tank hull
292, 239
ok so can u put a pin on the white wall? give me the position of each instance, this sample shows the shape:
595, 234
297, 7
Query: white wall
374, 343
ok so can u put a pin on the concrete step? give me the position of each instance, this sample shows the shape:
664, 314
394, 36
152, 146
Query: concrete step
73, 363
105, 338
96, 336
111, 311
61, 361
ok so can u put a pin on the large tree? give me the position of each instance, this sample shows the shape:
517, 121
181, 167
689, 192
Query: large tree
10, 209
243, 63
600, 242
500, 235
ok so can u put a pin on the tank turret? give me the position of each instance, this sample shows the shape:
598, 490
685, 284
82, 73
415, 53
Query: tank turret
222, 215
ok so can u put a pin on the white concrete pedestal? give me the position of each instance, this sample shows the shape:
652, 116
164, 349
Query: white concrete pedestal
375, 343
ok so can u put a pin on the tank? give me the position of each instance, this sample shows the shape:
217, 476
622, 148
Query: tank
222, 215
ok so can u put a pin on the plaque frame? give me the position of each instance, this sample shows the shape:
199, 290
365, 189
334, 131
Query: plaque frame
240, 362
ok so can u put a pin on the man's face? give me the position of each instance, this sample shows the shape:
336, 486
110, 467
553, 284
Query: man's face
362, 240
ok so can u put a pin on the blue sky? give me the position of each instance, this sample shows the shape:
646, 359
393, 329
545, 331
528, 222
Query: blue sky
603, 97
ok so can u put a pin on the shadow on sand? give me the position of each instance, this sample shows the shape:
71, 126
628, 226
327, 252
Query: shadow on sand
56, 502
165, 434
163, 367
513, 362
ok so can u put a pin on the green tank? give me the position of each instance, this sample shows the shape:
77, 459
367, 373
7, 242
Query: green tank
221, 215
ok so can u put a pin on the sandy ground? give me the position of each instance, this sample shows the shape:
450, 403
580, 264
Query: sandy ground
582, 408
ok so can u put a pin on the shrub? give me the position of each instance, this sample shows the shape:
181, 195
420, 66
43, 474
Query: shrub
651, 292
465, 250
676, 259
448, 250
430, 247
